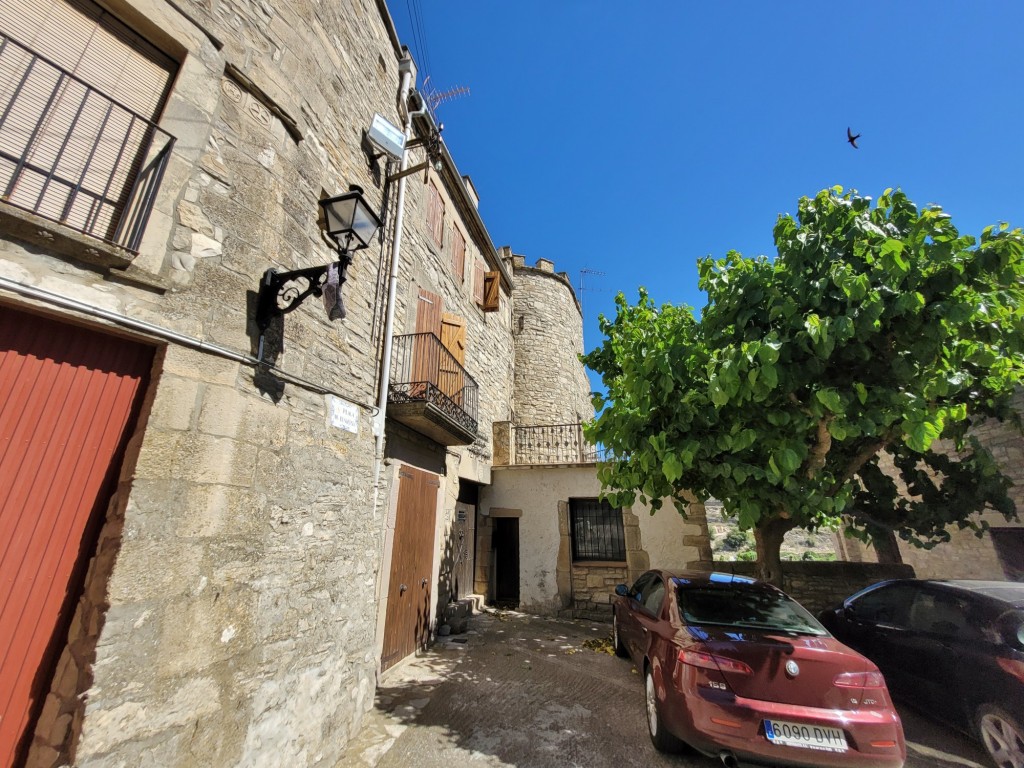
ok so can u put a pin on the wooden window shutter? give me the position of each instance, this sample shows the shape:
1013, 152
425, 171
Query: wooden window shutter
492, 291
478, 282
429, 310
453, 336
435, 215
458, 254
451, 376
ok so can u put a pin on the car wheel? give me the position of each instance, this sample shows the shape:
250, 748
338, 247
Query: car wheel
1002, 736
662, 740
620, 649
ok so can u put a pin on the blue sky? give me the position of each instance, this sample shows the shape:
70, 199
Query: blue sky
634, 138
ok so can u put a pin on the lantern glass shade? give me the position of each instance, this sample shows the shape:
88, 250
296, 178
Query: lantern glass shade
351, 223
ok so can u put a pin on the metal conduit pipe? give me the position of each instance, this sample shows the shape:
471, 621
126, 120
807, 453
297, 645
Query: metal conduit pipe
407, 68
166, 334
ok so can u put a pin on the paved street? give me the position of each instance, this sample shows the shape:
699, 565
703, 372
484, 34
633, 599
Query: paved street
519, 690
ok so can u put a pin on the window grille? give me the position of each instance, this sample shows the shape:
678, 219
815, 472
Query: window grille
597, 532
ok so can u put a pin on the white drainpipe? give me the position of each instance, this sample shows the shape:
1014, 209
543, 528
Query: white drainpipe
407, 70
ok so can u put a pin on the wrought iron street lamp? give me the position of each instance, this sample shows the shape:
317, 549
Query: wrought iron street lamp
351, 224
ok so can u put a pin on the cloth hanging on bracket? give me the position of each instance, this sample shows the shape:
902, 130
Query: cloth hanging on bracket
333, 304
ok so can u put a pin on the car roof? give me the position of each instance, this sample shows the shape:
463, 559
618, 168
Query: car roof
1010, 592
708, 578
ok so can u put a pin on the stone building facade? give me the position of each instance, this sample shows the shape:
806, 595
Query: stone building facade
997, 554
547, 322
229, 588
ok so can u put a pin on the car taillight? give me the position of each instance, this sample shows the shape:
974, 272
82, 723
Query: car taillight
710, 661
859, 680
1014, 667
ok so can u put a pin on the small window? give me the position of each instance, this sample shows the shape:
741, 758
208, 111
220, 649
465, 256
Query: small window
597, 532
435, 214
458, 254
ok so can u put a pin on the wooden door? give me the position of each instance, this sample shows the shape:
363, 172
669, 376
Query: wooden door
407, 622
451, 374
69, 398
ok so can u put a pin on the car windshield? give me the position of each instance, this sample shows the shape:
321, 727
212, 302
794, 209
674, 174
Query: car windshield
746, 606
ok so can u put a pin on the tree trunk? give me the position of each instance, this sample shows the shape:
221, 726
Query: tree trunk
768, 537
886, 546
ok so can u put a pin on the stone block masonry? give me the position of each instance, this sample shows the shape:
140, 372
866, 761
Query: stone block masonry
228, 613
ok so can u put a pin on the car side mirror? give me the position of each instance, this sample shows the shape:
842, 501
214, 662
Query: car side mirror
621, 590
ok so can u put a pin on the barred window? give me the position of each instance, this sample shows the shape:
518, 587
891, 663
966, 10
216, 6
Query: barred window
597, 532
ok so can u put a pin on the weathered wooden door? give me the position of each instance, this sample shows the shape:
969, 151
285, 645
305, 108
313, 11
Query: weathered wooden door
69, 398
407, 622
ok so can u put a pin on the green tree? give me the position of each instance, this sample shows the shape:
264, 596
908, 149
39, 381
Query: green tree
874, 332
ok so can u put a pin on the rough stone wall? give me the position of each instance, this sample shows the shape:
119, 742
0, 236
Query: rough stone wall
817, 586
489, 356
551, 385
966, 556
241, 619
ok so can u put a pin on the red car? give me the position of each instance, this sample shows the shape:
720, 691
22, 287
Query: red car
738, 670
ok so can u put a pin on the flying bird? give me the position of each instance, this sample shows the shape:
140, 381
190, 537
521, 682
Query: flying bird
852, 139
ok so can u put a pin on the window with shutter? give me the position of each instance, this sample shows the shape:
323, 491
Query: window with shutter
492, 291
80, 136
458, 254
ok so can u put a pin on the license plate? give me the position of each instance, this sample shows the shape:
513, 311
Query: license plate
806, 736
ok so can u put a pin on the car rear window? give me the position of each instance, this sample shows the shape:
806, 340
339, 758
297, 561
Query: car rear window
746, 606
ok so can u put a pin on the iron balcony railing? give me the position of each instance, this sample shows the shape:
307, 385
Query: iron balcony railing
73, 155
554, 444
423, 370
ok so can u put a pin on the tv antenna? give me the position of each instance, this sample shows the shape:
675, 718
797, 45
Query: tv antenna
435, 98
583, 273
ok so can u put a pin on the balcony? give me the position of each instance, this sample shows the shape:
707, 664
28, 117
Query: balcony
547, 444
431, 392
72, 155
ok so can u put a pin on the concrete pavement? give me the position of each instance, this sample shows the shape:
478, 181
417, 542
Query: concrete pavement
533, 692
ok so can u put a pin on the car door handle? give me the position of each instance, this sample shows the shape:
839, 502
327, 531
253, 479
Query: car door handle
644, 630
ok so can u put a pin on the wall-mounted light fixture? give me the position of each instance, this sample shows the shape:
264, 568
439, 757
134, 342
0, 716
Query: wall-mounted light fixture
351, 224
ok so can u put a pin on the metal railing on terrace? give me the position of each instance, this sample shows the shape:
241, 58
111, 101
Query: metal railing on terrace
423, 370
554, 444
73, 155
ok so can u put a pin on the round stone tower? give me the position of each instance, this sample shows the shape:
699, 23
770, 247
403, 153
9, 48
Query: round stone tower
551, 384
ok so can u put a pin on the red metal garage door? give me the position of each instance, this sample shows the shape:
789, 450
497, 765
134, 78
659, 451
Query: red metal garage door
68, 399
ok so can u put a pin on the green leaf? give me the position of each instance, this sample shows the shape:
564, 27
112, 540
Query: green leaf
787, 460
862, 392
830, 399
672, 468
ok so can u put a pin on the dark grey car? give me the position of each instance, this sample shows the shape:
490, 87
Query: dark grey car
954, 649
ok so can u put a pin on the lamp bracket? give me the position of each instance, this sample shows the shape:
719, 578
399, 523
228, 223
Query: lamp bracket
410, 171
282, 292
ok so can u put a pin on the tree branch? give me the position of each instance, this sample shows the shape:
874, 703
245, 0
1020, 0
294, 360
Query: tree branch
816, 458
859, 461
